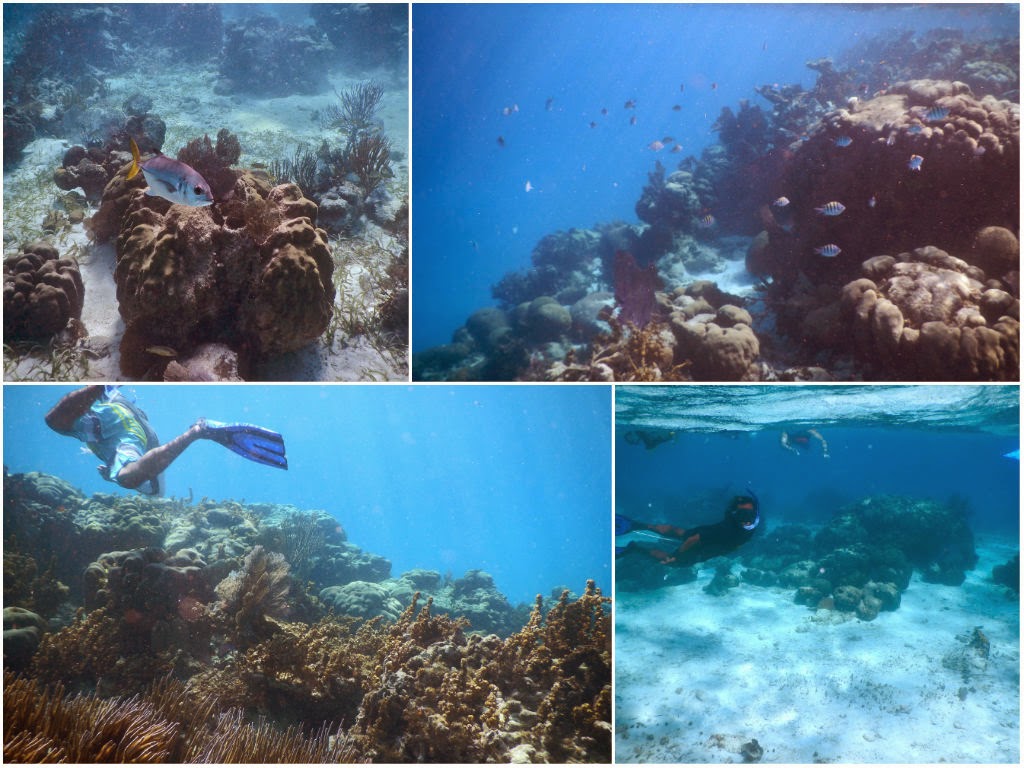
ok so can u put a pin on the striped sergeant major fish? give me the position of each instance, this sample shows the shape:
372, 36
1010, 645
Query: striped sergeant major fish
171, 179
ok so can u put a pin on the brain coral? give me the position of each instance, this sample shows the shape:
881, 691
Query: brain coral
42, 292
931, 316
252, 271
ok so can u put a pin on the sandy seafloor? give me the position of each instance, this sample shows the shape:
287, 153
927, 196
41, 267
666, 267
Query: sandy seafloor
696, 676
267, 128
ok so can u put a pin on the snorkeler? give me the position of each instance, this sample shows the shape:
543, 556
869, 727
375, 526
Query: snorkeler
688, 546
798, 441
119, 433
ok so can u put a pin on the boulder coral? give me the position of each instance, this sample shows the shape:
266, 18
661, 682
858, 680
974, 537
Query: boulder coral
42, 293
930, 316
967, 180
259, 282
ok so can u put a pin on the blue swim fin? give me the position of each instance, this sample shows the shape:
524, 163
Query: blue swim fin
623, 525
264, 446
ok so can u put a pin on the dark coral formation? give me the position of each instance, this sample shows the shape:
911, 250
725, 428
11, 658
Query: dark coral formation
365, 34
862, 561
266, 57
42, 293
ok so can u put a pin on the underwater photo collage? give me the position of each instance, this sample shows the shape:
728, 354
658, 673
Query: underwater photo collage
463, 383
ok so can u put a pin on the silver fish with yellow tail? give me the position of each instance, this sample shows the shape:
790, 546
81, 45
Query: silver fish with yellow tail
171, 179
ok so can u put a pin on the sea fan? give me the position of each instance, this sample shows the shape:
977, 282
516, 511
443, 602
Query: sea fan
258, 590
634, 288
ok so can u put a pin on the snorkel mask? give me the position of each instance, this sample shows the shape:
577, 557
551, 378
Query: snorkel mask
742, 504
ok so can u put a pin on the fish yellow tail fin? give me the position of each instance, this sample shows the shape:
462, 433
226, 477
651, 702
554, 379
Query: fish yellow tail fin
135, 158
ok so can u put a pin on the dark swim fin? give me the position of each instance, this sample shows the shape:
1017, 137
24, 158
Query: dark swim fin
264, 446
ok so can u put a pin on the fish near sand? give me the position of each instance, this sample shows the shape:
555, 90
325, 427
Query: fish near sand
171, 179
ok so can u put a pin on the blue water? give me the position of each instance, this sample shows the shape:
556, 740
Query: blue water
926, 442
513, 480
472, 61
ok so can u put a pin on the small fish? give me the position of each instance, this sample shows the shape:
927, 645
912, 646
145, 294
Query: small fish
872, 202
676, 108
549, 103
706, 221
171, 179
831, 209
781, 202
842, 141
667, 140
593, 124
162, 351
501, 141
678, 148
915, 162
529, 186
891, 140
632, 119
828, 251
631, 104
935, 114
657, 146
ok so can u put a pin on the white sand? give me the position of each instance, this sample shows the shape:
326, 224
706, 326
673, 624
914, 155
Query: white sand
753, 664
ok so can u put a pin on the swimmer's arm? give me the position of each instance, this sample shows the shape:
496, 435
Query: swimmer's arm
72, 407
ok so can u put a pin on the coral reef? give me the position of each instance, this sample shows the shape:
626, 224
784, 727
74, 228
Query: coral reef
365, 34
42, 293
208, 646
292, 64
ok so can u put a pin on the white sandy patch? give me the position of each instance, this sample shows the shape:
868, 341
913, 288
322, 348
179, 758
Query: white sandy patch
696, 676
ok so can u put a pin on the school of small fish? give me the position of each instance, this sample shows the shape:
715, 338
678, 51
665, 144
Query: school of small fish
707, 220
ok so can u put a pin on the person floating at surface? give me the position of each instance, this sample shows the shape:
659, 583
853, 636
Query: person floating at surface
801, 440
689, 546
119, 433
